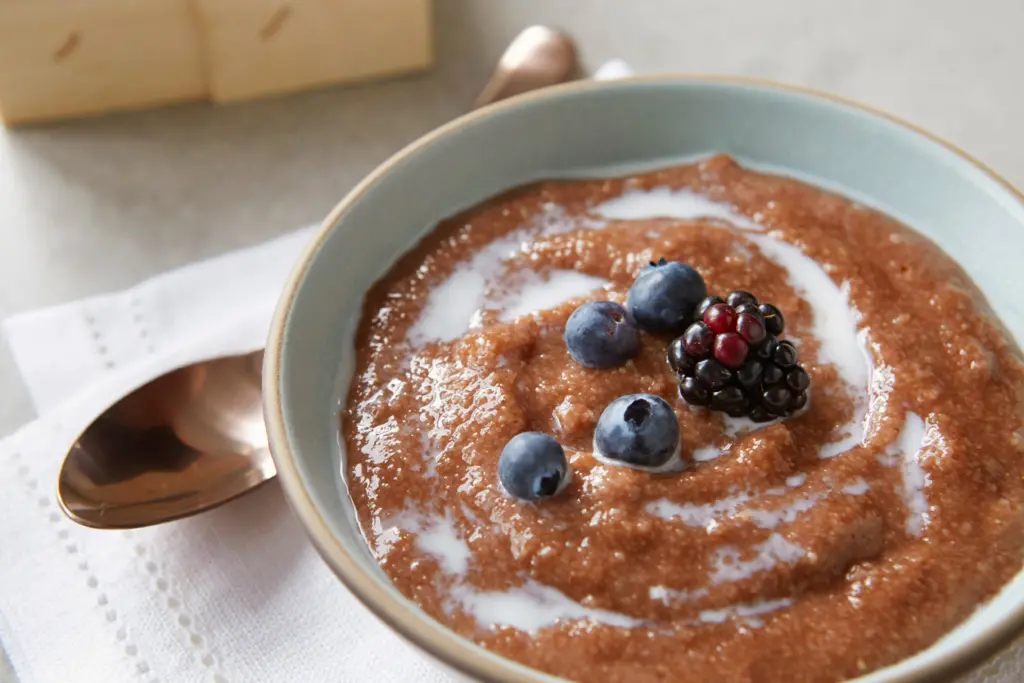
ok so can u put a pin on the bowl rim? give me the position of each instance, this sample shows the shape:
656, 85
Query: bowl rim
457, 653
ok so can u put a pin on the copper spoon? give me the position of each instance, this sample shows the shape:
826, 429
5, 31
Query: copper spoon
193, 438
538, 57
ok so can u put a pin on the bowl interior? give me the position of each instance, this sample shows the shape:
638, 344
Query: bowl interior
587, 128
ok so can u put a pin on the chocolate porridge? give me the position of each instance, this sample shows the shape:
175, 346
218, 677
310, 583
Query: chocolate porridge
818, 547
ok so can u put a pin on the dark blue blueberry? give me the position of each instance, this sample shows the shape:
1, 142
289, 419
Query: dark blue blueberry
638, 429
664, 296
532, 466
601, 334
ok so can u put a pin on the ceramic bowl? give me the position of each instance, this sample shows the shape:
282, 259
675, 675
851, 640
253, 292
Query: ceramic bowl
564, 131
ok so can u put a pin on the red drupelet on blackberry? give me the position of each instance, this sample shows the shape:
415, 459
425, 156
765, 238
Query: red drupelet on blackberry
732, 360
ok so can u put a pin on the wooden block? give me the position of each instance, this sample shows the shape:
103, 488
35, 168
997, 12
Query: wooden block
62, 58
264, 47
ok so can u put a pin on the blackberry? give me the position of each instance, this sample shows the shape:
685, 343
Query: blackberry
740, 297
704, 305
730, 400
785, 355
694, 393
767, 347
712, 374
773, 320
678, 359
732, 360
772, 374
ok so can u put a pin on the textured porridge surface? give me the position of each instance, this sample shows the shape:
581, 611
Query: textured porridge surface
765, 563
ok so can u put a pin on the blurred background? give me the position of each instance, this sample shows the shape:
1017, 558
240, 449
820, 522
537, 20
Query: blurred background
95, 204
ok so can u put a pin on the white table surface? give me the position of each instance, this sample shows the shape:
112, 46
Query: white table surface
96, 205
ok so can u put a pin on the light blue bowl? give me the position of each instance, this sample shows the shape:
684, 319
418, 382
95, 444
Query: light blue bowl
570, 130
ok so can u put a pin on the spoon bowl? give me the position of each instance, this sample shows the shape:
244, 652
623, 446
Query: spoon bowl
187, 441
538, 57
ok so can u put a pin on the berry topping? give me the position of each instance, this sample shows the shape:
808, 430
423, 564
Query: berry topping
664, 296
704, 305
699, 340
532, 466
799, 401
735, 299
732, 360
766, 348
681, 362
730, 400
752, 309
639, 430
751, 328
798, 379
694, 393
773, 320
749, 376
730, 349
720, 318
601, 334
777, 398
712, 374
785, 355
772, 374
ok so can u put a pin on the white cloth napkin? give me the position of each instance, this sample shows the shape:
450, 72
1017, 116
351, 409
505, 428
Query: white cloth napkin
234, 595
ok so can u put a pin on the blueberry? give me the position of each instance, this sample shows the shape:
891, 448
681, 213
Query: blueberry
638, 429
601, 334
532, 466
664, 296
